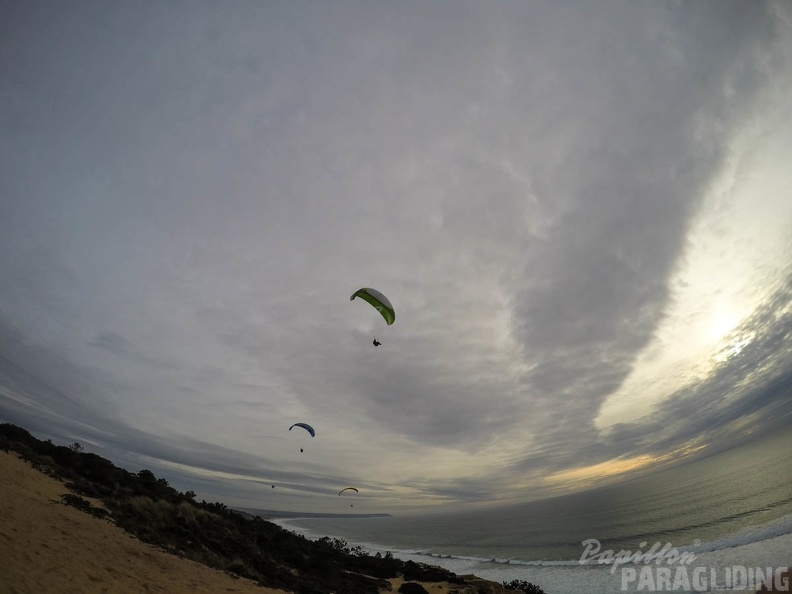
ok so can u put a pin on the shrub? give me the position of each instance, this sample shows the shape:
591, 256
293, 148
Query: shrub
526, 587
412, 588
84, 505
187, 512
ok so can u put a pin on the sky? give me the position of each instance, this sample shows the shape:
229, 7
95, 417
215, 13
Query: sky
580, 211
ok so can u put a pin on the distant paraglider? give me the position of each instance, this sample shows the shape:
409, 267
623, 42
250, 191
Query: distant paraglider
348, 489
376, 342
305, 426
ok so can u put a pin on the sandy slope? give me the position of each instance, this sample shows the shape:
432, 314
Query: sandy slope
46, 547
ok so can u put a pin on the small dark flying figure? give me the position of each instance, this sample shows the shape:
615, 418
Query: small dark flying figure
376, 342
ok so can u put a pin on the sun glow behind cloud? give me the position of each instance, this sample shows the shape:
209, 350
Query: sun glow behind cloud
719, 284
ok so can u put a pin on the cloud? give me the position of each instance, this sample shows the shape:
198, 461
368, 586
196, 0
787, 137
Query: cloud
121, 347
191, 197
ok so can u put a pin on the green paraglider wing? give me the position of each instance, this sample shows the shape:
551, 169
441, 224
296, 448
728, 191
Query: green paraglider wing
348, 489
379, 301
305, 426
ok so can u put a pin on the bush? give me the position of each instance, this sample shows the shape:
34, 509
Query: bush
526, 587
84, 505
412, 588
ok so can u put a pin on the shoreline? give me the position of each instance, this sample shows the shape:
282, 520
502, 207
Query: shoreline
780, 529
556, 576
48, 546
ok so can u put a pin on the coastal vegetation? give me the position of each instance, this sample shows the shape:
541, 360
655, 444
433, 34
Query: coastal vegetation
213, 534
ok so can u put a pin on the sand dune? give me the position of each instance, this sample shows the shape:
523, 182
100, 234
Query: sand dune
48, 547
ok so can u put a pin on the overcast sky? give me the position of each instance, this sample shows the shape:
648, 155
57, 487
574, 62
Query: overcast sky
581, 212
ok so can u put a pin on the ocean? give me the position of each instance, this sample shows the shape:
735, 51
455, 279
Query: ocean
719, 523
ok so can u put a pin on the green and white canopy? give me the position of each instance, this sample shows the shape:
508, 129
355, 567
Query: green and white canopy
379, 301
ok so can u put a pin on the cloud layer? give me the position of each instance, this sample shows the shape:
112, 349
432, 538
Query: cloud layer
558, 200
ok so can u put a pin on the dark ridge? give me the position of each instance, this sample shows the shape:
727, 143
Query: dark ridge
211, 533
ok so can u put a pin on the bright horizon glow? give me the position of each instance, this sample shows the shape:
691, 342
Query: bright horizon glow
585, 477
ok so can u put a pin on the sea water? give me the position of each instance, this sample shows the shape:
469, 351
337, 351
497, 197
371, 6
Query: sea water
724, 521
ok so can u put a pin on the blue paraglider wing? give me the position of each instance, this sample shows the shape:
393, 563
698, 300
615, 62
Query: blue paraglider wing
305, 426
